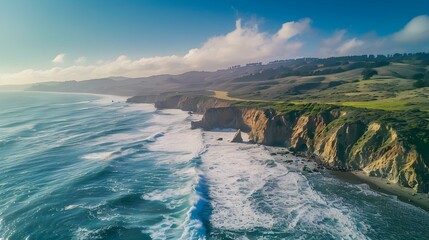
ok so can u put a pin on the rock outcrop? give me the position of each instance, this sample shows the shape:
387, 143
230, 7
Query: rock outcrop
379, 143
146, 99
237, 137
194, 104
197, 104
334, 138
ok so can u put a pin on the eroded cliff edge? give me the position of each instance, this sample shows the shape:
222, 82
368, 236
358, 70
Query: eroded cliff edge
193, 103
393, 145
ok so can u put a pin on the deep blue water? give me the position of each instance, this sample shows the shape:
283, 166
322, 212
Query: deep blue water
75, 166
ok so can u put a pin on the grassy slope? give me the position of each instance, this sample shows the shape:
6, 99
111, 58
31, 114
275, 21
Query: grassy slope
391, 89
225, 96
388, 97
412, 125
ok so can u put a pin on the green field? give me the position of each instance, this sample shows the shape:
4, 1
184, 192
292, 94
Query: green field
391, 89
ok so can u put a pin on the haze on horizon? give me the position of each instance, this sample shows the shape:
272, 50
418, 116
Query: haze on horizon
52, 41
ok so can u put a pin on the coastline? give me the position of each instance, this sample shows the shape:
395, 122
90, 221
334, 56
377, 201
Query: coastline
404, 194
121, 97
301, 164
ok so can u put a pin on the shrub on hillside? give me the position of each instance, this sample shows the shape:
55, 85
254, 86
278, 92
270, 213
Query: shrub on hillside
422, 80
368, 73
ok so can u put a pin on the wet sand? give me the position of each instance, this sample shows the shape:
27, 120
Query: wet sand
299, 163
382, 185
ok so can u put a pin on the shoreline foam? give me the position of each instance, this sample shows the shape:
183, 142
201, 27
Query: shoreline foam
297, 163
404, 194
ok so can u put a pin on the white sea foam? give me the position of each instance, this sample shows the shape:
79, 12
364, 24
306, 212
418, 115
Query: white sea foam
131, 107
192, 228
167, 195
173, 198
365, 189
233, 178
117, 186
249, 190
108, 99
98, 156
178, 138
85, 233
184, 145
123, 138
163, 229
14, 129
70, 207
168, 117
70, 103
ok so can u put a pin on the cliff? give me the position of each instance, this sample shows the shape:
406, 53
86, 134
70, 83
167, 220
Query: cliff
385, 144
146, 99
196, 103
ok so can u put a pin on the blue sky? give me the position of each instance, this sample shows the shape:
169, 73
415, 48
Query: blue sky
110, 33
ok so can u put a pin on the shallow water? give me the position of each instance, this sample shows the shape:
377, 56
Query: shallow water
75, 166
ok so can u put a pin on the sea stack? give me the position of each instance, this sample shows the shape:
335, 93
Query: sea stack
237, 137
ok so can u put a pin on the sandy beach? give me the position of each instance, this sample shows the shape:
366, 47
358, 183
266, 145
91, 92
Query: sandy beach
297, 163
382, 185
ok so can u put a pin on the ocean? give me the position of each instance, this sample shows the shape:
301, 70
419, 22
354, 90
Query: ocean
80, 166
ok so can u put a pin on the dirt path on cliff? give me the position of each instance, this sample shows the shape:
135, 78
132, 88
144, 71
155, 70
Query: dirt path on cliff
225, 96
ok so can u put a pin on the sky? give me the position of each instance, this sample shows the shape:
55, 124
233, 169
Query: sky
59, 40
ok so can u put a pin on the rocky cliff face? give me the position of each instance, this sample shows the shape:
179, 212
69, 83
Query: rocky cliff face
146, 99
197, 104
338, 142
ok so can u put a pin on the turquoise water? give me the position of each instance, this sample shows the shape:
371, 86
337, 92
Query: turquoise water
76, 166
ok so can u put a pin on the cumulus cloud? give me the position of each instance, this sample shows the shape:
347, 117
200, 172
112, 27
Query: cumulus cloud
80, 60
242, 45
291, 29
245, 43
336, 38
349, 46
59, 58
416, 31
338, 44
414, 36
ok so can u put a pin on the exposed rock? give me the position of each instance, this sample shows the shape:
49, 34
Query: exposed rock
219, 139
306, 169
195, 104
191, 104
339, 144
237, 137
145, 99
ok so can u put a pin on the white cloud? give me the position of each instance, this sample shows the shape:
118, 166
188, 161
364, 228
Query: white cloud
246, 43
349, 46
291, 29
242, 45
414, 36
59, 58
416, 31
336, 38
80, 60
337, 45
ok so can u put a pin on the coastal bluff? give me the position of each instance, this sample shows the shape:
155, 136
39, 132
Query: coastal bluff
391, 145
195, 104
336, 141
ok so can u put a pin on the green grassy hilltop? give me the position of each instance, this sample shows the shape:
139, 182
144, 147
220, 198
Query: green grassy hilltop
397, 83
